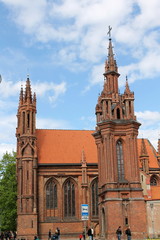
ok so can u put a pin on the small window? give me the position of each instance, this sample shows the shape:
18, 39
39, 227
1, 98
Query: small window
153, 181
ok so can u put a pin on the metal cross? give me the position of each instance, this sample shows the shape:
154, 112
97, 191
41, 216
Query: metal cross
109, 31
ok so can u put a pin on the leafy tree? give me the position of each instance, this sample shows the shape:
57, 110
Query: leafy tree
8, 192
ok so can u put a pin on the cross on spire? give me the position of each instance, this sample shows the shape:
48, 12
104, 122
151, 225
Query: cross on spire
109, 31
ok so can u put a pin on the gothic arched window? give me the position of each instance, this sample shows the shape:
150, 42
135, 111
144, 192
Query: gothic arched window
153, 181
69, 199
94, 198
120, 160
118, 113
51, 195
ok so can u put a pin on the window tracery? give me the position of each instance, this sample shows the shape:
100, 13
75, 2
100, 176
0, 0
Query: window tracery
69, 199
51, 195
120, 160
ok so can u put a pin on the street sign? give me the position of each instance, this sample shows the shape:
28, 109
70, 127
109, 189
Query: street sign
84, 212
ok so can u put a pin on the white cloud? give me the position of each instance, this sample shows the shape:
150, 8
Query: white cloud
150, 126
4, 147
45, 123
82, 25
149, 119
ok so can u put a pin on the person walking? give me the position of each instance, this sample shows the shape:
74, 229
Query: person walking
119, 233
128, 233
89, 234
57, 233
49, 234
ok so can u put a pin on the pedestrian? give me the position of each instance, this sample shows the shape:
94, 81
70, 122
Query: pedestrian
128, 233
89, 234
84, 237
80, 237
49, 234
57, 233
92, 233
119, 233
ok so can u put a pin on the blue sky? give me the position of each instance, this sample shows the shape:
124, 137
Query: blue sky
62, 45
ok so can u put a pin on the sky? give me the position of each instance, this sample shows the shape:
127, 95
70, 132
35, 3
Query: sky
62, 45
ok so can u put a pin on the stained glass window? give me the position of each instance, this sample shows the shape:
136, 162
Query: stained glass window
51, 195
120, 160
69, 199
94, 194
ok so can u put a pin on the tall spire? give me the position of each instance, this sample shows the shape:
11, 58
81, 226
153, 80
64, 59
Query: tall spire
28, 93
110, 65
127, 89
21, 96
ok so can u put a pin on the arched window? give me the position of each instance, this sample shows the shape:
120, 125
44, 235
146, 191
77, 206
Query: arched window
69, 199
118, 114
51, 195
94, 200
153, 181
120, 160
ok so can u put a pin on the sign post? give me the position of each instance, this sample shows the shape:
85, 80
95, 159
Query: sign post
84, 215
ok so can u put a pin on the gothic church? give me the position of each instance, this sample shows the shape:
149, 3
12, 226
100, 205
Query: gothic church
109, 169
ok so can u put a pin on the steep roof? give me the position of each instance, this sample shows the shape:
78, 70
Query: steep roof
65, 146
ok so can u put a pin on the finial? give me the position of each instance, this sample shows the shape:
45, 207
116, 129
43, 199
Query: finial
109, 31
27, 76
126, 78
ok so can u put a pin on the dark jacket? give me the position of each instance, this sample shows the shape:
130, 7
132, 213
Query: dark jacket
128, 232
119, 232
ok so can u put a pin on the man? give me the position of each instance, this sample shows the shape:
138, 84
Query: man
128, 233
49, 234
57, 233
90, 234
119, 233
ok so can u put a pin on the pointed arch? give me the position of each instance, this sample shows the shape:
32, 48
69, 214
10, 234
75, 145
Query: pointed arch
69, 193
94, 197
120, 159
118, 113
51, 194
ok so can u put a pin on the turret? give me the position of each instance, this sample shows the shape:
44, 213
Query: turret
27, 164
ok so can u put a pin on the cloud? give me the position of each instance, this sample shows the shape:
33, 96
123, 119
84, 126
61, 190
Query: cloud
150, 127
6, 148
46, 123
149, 119
53, 90
72, 22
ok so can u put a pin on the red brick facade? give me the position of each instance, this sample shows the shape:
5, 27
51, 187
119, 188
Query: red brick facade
58, 170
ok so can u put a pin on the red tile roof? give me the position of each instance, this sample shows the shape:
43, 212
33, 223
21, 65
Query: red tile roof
65, 146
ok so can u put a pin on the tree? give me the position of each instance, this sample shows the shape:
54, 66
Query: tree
8, 192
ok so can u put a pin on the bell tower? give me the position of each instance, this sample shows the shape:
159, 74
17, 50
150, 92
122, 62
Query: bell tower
26, 164
121, 201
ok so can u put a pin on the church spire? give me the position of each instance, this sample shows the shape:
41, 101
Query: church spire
110, 64
21, 97
28, 93
127, 89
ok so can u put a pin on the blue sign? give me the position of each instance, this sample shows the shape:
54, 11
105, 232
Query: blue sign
84, 211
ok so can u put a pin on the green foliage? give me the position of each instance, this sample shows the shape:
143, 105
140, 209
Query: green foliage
8, 192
